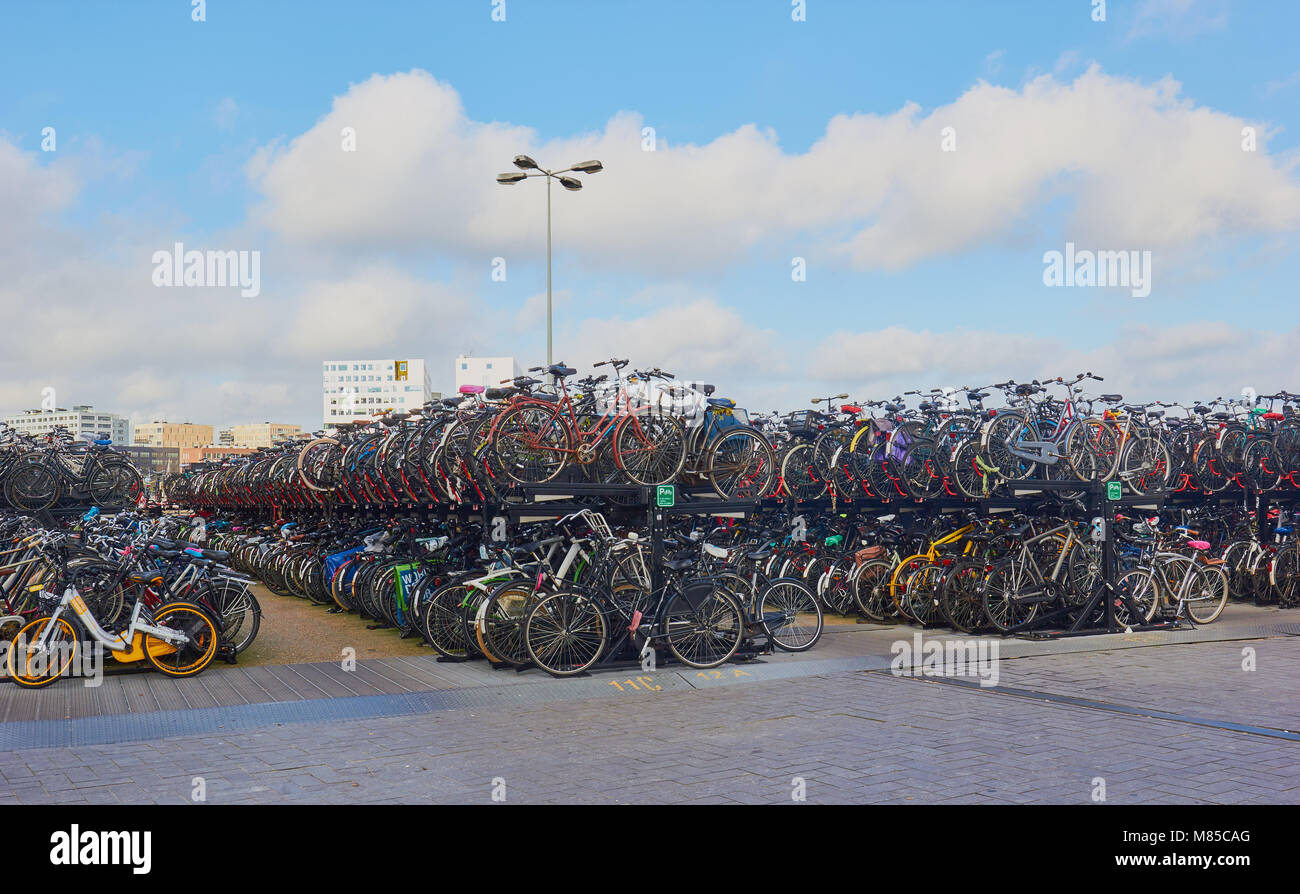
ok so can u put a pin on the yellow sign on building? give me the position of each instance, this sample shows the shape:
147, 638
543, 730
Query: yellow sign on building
399, 370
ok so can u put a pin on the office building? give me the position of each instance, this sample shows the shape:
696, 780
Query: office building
83, 421
358, 389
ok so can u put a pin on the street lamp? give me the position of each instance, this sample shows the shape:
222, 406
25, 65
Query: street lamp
529, 168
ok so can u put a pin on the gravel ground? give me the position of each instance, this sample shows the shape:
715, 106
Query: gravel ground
294, 631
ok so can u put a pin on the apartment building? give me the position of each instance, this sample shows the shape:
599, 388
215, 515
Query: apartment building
262, 434
357, 389
485, 371
172, 434
83, 421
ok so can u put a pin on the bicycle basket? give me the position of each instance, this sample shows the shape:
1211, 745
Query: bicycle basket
803, 422
870, 554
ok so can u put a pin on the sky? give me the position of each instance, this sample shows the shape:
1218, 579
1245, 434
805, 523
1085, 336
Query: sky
799, 198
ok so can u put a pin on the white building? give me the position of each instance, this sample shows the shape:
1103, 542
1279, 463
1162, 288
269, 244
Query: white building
357, 389
83, 421
486, 371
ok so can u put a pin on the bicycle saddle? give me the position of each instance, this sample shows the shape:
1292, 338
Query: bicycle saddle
708, 389
471, 389
1198, 544
1112, 398
561, 371
726, 402
680, 564
144, 577
759, 553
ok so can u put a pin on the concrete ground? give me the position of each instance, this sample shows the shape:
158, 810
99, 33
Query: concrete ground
1200, 716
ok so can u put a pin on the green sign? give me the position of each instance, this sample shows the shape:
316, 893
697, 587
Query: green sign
665, 495
1114, 490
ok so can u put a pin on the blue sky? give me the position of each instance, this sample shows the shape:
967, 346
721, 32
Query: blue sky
211, 133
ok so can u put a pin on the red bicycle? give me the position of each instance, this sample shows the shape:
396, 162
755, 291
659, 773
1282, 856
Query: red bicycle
539, 434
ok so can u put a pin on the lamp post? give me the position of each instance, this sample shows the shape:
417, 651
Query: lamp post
529, 168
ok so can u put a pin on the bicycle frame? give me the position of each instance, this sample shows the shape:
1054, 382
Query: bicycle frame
116, 642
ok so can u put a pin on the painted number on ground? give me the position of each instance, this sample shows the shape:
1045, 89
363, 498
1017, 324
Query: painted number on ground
640, 684
722, 675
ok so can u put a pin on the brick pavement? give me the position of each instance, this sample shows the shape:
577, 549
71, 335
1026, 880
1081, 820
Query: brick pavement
852, 737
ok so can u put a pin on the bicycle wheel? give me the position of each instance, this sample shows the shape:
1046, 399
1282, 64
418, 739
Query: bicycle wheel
921, 593
565, 633
1236, 558
33, 668
741, 465
1092, 447
970, 476
499, 625
898, 583
238, 611
834, 586
1011, 596
187, 658
1262, 464
871, 590
999, 434
532, 444
1205, 603
790, 614
33, 487
703, 625
1141, 589
799, 473
650, 448
1285, 576
115, 485
1144, 464
440, 619
959, 597
920, 469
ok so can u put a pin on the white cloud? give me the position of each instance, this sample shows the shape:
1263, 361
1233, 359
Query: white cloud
1286, 83
1181, 19
532, 316
694, 341
1187, 361
226, 113
875, 191
347, 239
